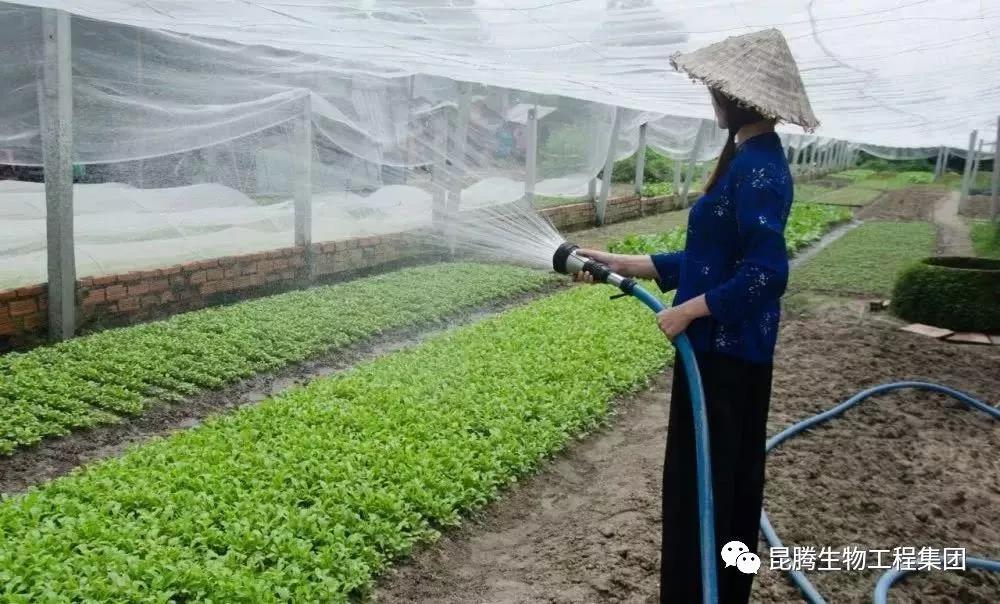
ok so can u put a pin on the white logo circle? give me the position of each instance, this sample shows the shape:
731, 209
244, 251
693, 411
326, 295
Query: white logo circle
732, 550
748, 563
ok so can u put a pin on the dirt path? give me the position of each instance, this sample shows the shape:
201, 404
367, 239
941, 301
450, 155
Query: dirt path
953, 230
57, 456
587, 529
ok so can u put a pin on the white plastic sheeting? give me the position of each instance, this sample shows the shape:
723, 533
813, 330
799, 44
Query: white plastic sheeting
890, 72
417, 104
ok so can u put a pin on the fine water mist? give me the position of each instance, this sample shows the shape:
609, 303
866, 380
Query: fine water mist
511, 233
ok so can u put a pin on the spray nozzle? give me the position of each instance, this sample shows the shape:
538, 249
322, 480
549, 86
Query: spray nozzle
565, 260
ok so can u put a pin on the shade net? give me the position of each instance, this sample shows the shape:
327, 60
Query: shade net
193, 121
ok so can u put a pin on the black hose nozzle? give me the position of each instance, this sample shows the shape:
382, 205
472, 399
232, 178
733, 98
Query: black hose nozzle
566, 261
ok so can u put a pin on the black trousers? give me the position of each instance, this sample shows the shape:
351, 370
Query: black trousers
737, 395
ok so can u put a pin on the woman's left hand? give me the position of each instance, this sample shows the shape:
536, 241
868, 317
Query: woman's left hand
673, 321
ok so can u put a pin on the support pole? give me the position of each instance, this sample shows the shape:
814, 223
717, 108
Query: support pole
995, 199
609, 164
439, 176
461, 144
531, 157
690, 166
975, 165
796, 157
937, 163
640, 161
944, 161
56, 116
592, 190
968, 170
677, 178
302, 133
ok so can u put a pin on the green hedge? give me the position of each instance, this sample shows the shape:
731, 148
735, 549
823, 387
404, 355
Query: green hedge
307, 496
957, 293
99, 378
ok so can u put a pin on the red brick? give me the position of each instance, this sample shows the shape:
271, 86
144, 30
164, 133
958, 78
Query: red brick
288, 274
33, 322
280, 264
105, 280
150, 300
228, 260
230, 273
273, 254
20, 308
159, 285
10, 294
177, 280
171, 270
297, 261
209, 288
85, 282
199, 277
214, 274
190, 267
115, 292
209, 263
128, 304
138, 289
226, 285
248, 269
32, 290
167, 296
93, 297
7, 327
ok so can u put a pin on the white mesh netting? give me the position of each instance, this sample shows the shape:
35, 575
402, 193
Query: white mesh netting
184, 112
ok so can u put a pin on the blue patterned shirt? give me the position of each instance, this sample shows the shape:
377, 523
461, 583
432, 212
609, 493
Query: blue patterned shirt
735, 254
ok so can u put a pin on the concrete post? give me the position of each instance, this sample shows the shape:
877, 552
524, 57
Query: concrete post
302, 133
461, 144
609, 164
531, 157
640, 161
56, 116
995, 199
968, 170
975, 165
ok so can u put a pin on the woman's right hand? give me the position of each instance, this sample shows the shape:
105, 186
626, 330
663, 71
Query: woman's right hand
606, 258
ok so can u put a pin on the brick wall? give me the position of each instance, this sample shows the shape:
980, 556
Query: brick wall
142, 295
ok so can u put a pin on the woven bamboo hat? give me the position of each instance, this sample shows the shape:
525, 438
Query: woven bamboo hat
756, 69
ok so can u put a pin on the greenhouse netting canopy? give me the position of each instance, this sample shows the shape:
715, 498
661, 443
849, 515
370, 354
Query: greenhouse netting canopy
897, 73
208, 128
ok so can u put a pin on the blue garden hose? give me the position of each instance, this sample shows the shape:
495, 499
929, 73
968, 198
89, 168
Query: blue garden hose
706, 503
889, 577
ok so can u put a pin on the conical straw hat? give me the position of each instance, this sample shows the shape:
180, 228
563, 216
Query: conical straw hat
756, 69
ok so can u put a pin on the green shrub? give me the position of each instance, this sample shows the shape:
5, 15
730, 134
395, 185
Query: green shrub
564, 151
957, 293
657, 189
658, 168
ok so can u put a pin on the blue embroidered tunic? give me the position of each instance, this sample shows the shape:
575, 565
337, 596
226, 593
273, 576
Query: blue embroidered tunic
735, 254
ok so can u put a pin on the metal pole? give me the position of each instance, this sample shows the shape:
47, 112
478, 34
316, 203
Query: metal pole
640, 161
968, 169
690, 167
944, 161
531, 156
975, 165
56, 116
461, 144
609, 165
439, 177
796, 155
677, 177
937, 164
995, 200
302, 133
592, 190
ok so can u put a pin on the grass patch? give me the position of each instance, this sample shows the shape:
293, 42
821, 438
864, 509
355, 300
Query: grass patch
986, 238
102, 377
867, 260
307, 496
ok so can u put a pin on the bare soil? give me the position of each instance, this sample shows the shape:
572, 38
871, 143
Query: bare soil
57, 456
978, 206
914, 203
906, 469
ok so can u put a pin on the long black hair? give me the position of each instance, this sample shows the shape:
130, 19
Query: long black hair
737, 115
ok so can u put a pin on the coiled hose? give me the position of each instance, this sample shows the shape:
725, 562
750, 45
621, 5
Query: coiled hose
706, 506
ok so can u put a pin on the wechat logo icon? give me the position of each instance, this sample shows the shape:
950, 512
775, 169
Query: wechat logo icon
736, 553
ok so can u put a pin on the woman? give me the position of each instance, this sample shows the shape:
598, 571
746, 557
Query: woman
729, 280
